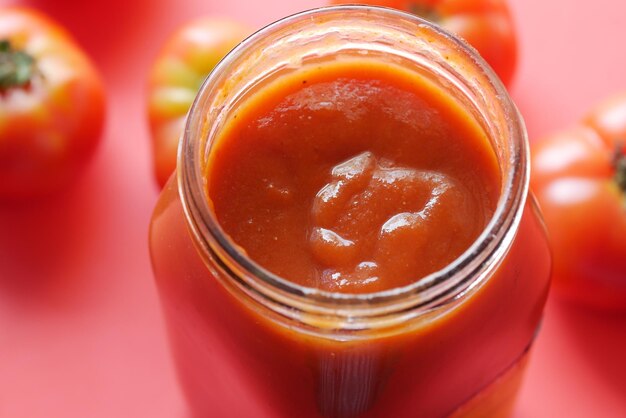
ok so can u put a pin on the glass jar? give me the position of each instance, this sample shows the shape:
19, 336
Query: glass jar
250, 344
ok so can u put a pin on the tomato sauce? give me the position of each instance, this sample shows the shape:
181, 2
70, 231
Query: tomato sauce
352, 176
356, 176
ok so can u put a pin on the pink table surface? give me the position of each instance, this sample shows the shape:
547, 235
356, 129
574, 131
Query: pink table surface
81, 333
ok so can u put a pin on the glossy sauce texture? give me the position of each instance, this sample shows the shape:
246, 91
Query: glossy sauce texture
355, 176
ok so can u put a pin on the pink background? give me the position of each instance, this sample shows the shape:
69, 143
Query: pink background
81, 332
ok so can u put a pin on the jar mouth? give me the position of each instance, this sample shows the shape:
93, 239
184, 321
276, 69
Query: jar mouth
445, 285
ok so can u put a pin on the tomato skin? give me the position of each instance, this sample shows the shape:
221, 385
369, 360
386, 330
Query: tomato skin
183, 63
574, 178
487, 25
49, 128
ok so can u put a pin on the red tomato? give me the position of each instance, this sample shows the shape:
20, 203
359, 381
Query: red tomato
51, 105
485, 24
579, 176
186, 59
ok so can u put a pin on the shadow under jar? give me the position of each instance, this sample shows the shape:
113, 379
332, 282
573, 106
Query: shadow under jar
248, 342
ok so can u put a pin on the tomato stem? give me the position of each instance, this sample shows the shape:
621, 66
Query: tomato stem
425, 12
16, 67
619, 162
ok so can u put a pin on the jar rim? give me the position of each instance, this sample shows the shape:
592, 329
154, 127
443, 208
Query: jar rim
437, 288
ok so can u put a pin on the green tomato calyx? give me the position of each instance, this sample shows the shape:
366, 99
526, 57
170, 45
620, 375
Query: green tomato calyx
425, 12
619, 163
16, 67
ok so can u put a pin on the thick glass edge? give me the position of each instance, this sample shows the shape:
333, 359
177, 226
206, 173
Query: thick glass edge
490, 245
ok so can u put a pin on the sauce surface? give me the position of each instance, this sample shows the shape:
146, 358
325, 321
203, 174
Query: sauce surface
354, 176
